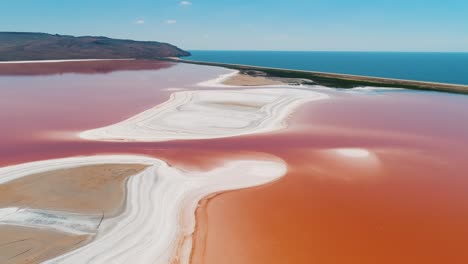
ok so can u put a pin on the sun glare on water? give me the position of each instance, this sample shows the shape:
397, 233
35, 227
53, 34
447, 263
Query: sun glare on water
353, 152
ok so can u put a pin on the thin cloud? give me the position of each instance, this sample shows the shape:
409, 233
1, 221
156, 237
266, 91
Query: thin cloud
185, 3
140, 22
170, 21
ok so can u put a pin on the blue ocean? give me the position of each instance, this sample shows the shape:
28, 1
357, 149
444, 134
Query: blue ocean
422, 66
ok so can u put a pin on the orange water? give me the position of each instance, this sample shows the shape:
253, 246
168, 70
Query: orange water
406, 202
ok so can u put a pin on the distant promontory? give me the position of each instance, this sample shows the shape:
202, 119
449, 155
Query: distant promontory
17, 46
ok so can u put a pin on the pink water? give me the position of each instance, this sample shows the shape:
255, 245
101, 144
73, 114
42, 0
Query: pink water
405, 203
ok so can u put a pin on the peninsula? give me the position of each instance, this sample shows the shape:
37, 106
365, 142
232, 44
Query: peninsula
25, 46
335, 80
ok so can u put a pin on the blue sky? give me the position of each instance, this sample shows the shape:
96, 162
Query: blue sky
362, 25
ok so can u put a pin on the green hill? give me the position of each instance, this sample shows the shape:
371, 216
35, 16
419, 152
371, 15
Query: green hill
16, 46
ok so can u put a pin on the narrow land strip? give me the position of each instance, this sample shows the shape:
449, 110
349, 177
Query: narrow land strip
337, 80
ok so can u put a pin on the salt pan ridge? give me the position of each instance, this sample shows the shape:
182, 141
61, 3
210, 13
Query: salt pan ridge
159, 211
206, 114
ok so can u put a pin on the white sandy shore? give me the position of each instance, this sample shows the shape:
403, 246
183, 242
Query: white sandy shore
159, 199
11, 173
218, 82
52, 61
206, 114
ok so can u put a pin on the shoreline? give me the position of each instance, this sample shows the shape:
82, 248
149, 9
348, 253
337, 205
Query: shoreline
153, 226
237, 111
218, 179
223, 113
56, 61
337, 80
169, 226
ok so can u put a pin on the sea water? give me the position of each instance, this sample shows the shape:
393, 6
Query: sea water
421, 66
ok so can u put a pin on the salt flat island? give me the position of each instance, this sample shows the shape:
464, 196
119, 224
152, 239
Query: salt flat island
168, 162
210, 114
158, 198
233, 132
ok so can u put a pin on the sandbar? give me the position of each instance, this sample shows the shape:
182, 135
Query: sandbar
249, 80
158, 218
206, 114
